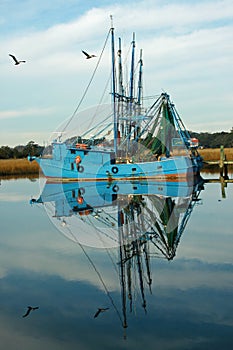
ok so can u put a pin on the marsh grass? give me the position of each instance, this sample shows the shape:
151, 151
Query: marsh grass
19, 167
213, 154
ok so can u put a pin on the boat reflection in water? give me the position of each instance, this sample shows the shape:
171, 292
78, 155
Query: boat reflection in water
141, 219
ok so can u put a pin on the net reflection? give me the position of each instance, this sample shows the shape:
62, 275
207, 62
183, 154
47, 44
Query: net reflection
141, 220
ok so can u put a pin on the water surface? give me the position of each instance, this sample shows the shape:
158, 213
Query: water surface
189, 305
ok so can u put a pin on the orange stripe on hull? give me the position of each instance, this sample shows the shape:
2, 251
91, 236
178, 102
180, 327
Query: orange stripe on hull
161, 178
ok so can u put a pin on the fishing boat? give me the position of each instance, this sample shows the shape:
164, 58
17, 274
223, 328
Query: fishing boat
132, 141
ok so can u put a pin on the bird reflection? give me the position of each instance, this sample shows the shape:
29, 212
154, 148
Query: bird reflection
100, 310
30, 308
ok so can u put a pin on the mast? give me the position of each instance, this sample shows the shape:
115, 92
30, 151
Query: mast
140, 79
122, 266
139, 97
120, 88
115, 121
147, 258
131, 91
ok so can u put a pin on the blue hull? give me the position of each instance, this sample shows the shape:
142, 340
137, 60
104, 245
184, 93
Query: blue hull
95, 165
176, 168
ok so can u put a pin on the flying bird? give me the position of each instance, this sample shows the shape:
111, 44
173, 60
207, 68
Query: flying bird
99, 311
15, 59
87, 55
30, 308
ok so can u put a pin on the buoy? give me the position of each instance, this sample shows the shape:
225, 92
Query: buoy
80, 200
78, 160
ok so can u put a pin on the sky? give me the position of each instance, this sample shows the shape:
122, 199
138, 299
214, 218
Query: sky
187, 52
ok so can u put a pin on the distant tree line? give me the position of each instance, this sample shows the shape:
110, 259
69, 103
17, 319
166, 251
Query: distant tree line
206, 140
20, 151
214, 140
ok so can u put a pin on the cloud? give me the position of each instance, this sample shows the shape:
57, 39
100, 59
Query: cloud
186, 52
214, 127
14, 138
28, 112
92, 26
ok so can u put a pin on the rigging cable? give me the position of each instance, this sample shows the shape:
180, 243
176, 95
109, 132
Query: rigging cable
99, 275
100, 102
88, 85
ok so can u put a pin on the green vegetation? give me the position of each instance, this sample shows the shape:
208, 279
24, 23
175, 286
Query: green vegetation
215, 140
31, 149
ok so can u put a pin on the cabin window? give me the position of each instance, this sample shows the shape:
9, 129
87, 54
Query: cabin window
73, 193
112, 158
72, 151
72, 166
134, 169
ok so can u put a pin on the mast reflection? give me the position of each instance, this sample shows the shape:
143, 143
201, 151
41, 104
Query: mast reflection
142, 219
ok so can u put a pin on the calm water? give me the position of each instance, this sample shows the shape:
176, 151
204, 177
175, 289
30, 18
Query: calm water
189, 305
